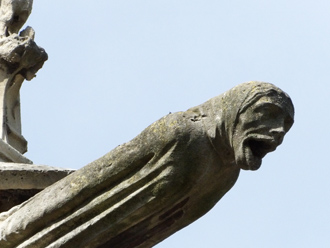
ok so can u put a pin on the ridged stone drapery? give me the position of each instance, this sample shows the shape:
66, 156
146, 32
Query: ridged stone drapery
171, 174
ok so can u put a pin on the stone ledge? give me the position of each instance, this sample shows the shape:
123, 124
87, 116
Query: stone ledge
27, 176
19, 182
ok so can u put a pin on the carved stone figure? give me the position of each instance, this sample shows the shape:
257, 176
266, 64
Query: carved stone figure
171, 174
20, 58
14, 14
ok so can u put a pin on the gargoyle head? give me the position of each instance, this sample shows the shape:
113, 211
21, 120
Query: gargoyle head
13, 15
264, 118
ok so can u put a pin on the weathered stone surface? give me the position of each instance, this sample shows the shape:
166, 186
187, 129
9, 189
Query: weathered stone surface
10, 154
27, 176
171, 174
14, 14
20, 59
19, 182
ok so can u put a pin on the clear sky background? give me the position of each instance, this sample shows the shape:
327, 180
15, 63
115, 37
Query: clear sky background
117, 66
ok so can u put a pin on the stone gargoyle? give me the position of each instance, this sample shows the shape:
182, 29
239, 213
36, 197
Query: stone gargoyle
171, 174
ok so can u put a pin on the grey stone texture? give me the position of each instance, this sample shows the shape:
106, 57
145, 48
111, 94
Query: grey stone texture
141, 192
19, 182
171, 174
27, 176
20, 59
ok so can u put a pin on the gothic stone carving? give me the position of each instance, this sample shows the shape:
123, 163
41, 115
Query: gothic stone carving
20, 58
171, 174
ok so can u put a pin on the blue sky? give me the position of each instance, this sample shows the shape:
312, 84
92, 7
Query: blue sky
117, 66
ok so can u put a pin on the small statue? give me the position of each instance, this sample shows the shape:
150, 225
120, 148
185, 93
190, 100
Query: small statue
20, 58
171, 174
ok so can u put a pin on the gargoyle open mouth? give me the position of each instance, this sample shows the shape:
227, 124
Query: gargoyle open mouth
260, 148
255, 148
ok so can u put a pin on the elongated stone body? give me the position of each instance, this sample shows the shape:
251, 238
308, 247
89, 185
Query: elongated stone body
171, 174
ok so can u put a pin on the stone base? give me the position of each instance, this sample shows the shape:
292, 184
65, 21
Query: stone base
10, 154
19, 182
